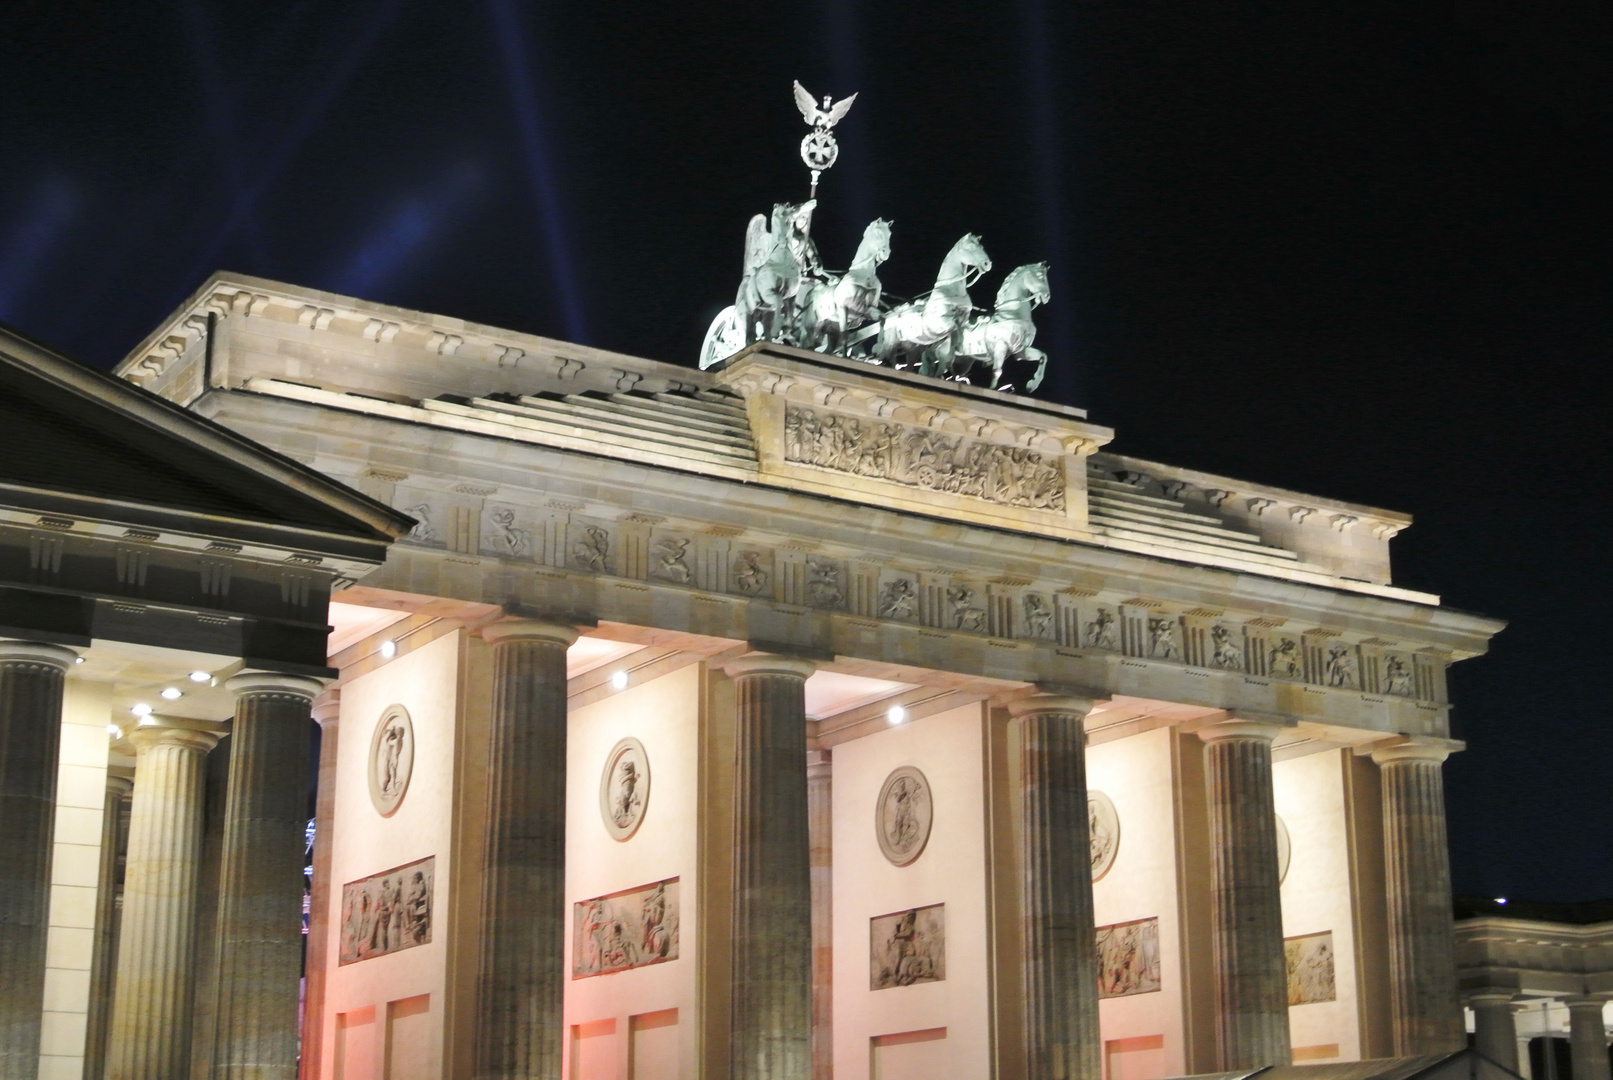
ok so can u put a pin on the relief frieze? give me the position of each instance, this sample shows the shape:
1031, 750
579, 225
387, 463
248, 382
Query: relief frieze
928, 460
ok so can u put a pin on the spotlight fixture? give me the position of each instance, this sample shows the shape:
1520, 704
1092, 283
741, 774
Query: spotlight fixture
78, 659
112, 730
896, 714
618, 680
142, 709
1501, 900
389, 649
172, 693
148, 721
200, 676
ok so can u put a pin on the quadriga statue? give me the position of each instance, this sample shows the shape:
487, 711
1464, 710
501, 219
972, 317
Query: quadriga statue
832, 308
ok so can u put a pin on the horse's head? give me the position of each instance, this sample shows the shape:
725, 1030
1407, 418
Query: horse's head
1028, 282
877, 239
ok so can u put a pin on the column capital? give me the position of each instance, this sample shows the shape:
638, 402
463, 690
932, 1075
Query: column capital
1586, 1002
118, 786
1488, 996
770, 664
1041, 703
1241, 728
328, 706
156, 730
518, 629
36, 652
1411, 751
253, 683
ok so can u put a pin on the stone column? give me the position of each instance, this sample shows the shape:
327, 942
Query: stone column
1061, 953
32, 678
520, 1020
1246, 910
1495, 1034
104, 955
258, 936
1426, 1014
1587, 1038
151, 1009
772, 920
820, 832
327, 714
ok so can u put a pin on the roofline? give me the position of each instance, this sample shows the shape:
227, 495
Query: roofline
160, 414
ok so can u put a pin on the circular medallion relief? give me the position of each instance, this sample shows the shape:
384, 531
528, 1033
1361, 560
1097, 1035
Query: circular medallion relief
1103, 827
1285, 849
903, 814
624, 788
391, 759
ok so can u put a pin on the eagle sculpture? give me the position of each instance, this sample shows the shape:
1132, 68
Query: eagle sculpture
826, 116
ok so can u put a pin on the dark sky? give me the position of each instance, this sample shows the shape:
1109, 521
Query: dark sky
1353, 251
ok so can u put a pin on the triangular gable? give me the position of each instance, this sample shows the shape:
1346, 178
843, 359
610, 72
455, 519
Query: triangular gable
76, 432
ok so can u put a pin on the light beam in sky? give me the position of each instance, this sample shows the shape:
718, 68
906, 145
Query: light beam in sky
24, 243
538, 158
405, 233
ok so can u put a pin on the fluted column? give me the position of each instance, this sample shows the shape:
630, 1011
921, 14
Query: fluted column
1427, 1017
151, 1008
1061, 953
32, 677
1495, 1034
772, 919
1587, 1038
327, 713
520, 1016
1246, 910
820, 832
104, 955
258, 936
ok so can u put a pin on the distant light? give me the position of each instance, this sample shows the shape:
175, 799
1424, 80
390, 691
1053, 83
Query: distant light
200, 676
172, 693
113, 730
1501, 900
141, 709
896, 714
389, 649
78, 659
618, 680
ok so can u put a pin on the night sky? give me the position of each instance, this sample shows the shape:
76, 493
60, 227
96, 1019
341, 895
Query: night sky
1357, 252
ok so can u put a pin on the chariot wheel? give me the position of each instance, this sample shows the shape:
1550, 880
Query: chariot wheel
723, 339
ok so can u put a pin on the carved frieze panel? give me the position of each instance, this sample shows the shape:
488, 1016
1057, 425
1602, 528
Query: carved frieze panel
1226, 647
624, 930
824, 583
923, 458
1037, 616
898, 597
590, 546
387, 912
1164, 637
672, 559
750, 572
508, 533
907, 947
1341, 666
1102, 631
964, 608
1284, 657
1398, 675
1128, 958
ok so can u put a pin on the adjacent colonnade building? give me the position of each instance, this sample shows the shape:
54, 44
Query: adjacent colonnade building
808, 718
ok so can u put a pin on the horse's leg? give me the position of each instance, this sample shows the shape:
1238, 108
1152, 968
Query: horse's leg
1041, 369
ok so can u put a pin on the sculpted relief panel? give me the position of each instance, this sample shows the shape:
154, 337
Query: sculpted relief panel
928, 460
625, 930
907, 947
1310, 968
391, 759
903, 816
1128, 958
387, 912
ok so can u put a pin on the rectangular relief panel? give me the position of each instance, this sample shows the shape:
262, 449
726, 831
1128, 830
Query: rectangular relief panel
1310, 968
388, 912
625, 930
907, 947
1128, 958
